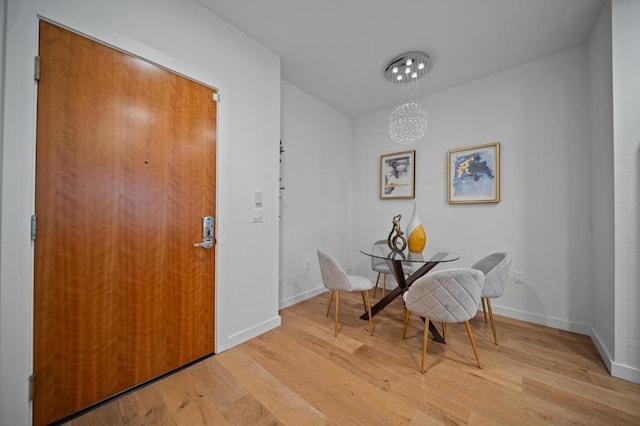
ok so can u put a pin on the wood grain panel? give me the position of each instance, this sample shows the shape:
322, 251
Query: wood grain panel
301, 374
125, 171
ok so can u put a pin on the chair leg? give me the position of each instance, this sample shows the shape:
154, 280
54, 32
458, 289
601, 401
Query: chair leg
425, 339
473, 343
384, 284
368, 306
335, 327
376, 289
444, 329
407, 314
329, 305
493, 323
484, 309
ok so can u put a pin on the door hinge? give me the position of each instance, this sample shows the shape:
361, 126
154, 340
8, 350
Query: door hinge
33, 227
36, 68
32, 386
216, 96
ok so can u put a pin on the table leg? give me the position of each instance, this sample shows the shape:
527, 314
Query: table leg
435, 333
398, 272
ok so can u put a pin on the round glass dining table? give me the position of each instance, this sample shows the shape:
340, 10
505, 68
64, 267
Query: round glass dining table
429, 254
405, 263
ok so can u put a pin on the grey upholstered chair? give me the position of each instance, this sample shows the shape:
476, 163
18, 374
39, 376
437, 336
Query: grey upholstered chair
451, 295
382, 268
336, 279
496, 270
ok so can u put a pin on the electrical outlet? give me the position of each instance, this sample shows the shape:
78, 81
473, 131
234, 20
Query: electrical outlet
518, 277
307, 265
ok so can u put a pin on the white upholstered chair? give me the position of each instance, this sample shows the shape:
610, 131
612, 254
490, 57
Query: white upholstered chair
336, 280
451, 295
496, 271
381, 267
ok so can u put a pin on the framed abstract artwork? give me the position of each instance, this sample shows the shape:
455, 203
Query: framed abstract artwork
474, 174
397, 175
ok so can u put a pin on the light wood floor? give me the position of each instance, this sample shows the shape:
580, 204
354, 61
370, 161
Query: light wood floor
299, 374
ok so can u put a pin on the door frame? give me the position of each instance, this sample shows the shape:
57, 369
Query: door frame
18, 259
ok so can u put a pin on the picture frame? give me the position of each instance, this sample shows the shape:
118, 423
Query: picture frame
474, 174
397, 175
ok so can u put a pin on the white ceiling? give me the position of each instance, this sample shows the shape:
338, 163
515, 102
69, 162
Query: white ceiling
337, 50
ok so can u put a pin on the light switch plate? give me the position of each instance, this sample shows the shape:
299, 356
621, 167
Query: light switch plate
257, 198
257, 216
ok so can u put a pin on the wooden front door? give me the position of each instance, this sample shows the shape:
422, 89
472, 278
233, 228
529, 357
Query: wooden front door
125, 173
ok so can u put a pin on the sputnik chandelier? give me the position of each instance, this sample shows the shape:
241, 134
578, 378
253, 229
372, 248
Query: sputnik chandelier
408, 119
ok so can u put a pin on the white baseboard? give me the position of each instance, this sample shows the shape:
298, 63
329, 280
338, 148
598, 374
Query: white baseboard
301, 297
625, 372
250, 333
558, 323
621, 371
602, 349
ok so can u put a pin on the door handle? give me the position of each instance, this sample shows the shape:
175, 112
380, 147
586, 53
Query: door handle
204, 244
207, 233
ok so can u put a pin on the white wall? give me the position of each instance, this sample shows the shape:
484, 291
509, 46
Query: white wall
626, 133
183, 36
3, 28
539, 113
316, 204
602, 188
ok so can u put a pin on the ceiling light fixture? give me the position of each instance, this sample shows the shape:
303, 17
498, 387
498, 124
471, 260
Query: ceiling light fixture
408, 119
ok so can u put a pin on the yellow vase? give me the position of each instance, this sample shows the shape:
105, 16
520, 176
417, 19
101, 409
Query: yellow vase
416, 235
